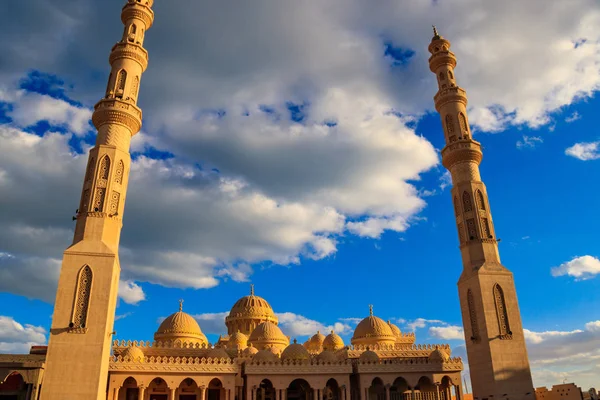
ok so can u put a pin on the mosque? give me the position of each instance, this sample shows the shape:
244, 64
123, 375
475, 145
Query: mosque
255, 360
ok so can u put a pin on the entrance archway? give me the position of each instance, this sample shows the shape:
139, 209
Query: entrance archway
188, 390
265, 390
400, 390
332, 390
158, 390
13, 387
299, 389
377, 390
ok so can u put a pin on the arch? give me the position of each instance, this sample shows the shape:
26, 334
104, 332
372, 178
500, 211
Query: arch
480, 199
472, 315
446, 387
399, 387
449, 124
265, 390
101, 184
14, 386
450, 75
299, 389
425, 385
120, 84
188, 382
501, 312
133, 29
377, 389
82, 298
332, 390
442, 77
215, 390
467, 202
462, 120
134, 87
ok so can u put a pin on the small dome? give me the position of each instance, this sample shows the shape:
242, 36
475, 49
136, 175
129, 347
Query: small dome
134, 354
333, 342
218, 353
238, 341
369, 356
267, 334
249, 351
265, 355
295, 351
438, 355
395, 330
315, 343
327, 356
180, 326
373, 330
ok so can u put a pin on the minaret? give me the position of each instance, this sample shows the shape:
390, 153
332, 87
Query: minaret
86, 299
492, 322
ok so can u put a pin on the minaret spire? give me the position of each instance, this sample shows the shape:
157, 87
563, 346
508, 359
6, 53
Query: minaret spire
86, 299
492, 322
252, 289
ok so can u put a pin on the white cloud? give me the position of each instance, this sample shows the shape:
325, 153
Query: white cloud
18, 338
131, 292
450, 332
581, 268
295, 325
420, 323
573, 117
529, 142
584, 151
374, 227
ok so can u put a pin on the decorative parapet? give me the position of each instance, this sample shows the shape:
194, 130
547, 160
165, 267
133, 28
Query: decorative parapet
409, 365
133, 51
312, 367
22, 360
448, 95
425, 348
115, 111
445, 57
166, 364
460, 151
167, 344
137, 10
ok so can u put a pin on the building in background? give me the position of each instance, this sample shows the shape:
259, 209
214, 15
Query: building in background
565, 391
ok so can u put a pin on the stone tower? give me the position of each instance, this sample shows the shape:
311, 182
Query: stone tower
492, 322
84, 311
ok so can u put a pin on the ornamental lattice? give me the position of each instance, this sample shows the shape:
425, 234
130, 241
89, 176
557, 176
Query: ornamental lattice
449, 124
472, 315
99, 196
82, 300
503, 324
119, 172
480, 200
114, 202
134, 87
485, 227
462, 120
467, 203
471, 229
104, 171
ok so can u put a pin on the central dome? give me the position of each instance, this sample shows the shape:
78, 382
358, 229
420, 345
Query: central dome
248, 312
372, 331
180, 326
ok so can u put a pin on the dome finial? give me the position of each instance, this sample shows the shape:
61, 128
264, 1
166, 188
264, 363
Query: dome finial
252, 289
435, 32
371, 310
180, 304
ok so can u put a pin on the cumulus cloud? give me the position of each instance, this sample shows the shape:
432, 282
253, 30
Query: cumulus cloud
581, 268
130, 292
18, 338
529, 142
450, 332
420, 323
575, 116
584, 151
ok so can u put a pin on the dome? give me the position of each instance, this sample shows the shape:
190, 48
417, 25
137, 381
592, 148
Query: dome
438, 355
180, 326
315, 343
249, 311
295, 351
267, 334
135, 354
249, 351
395, 330
218, 353
333, 342
265, 355
369, 356
373, 330
327, 356
238, 341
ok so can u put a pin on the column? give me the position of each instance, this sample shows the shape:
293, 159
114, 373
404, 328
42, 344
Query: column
387, 392
412, 394
172, 396
34, 392
116, 393
277, 394
142, 393
315, 394
437, 391
202, 392
254, 393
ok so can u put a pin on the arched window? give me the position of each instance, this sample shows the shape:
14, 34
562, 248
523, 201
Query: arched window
442, 77
82, 298
472, 315
480, 200
108, 84
101, 184
114, 203
456, 209
449, 124
501, 312
463, 123
120, 88
133, 29
450, 75
471, 229
467, 203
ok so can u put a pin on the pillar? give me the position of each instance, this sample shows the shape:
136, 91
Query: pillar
116, 393
202, 392
387, 392
142, 393
172, 394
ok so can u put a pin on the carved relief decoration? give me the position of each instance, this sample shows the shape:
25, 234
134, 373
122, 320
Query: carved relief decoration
134, 87
103, 172
463, 123
472, 315
467, 203
480, 200
119, 172
485, 228
461, 233
472, 231
82, 299
114, 202
501, 311
90, 169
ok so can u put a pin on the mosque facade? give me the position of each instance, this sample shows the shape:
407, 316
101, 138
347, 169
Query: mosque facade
255, 360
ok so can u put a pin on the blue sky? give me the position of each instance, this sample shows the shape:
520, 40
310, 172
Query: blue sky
306, 161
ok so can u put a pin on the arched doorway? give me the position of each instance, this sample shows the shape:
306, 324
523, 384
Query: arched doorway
129, 390
265, 390
377, 390
13, 387
188, 390
215, 390
446, 387
158, 390
299, 389
425, 389
400, 390
332, 390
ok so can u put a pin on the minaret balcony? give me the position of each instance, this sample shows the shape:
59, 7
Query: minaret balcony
441, 58
463, 150
116, 111
138, 10
450, 95
132, 51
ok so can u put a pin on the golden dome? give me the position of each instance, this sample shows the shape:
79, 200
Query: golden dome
315, 343
249, 351
295, 351
373, 330
134, 354
327, 356
267, 334
180, 326
438, 355
369, 356
265, 355
238, 341
333, 342
395, 330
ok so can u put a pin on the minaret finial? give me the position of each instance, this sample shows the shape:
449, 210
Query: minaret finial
180, 304
371, 310
435, 32
252, 289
